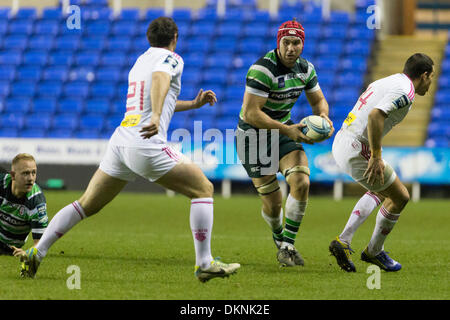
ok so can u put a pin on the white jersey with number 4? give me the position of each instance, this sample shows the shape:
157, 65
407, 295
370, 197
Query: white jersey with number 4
393, 95
139, 108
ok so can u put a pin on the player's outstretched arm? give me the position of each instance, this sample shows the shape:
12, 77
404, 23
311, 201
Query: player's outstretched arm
375, 126
319, 106
202, 98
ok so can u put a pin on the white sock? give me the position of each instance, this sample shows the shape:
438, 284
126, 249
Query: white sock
384, 225
201, 220
361, 211
295, 211
275, 223
62, 222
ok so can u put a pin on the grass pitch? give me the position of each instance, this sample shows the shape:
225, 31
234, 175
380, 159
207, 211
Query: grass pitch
140, 247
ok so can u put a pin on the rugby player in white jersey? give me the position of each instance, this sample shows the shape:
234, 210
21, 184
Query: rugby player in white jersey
358, 152
139, 147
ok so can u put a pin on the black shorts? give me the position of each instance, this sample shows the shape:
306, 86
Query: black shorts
255, 149
6, 249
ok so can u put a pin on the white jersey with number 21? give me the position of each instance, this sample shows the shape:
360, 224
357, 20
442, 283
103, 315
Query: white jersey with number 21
139, 108
393, 95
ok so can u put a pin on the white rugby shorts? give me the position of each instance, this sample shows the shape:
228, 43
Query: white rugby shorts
352, 156
126, 163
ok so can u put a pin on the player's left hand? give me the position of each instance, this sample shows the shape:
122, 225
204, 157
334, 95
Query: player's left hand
323, 115
17, 251
204, 97
152, 128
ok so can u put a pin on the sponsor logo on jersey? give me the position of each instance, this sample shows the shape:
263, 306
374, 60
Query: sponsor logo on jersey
172, 61
401, 102
281, 83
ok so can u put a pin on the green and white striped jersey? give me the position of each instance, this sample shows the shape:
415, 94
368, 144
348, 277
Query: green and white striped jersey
282, 86
20, 216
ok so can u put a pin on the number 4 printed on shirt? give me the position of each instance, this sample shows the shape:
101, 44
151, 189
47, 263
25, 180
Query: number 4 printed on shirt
132, 86
363, 99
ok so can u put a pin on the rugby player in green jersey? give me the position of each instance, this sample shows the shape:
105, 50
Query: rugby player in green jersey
23, 207
273, 85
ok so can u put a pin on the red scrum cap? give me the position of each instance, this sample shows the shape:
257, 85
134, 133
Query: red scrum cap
290, 28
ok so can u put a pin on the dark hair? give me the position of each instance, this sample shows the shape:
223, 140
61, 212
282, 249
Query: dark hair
417, 64
161, 32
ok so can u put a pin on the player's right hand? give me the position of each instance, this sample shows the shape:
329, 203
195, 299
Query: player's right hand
294, 132
150, 129
375, 171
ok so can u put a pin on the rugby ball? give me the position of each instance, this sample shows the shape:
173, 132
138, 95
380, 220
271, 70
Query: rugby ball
317, 128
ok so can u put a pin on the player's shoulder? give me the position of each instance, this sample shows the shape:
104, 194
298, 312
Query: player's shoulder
268, 61
5, 180
304, 65
35, 197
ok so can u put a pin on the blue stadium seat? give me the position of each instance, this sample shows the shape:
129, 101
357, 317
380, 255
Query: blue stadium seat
7, 73
118, 107
225, 44
5, 13
358, 33
103, 90
245, 60
229, 29
444, 82
91, 122
57, 73
256, 29
234, 93
119, 43
29, 73
52, 13
215, 76
40, 42
61, 58
258, 45
330, 63
194, 59
191, 76
32, 133
154, 13
10, 57
237, 76
64, 121
97, 28
67, 42
47, 27
38, 121
26, 13
17, 105
188, 91
129, 14
62, 133
112, 122
182, 15
23, 89
97, 106
50, 88
82, 73
15, 42
9, 133
358, 48
4, 91
113, 59
334, 32
87, 58
203, 28
93, 43
124, 29
76, 89
356, 64
218, 59
87, 133
12, 121
198, 44
20, 27
108, 74
44, 105
36, 58
442, 97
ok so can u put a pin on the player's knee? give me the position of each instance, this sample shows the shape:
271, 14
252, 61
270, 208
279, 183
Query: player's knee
299, 182
205, 190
